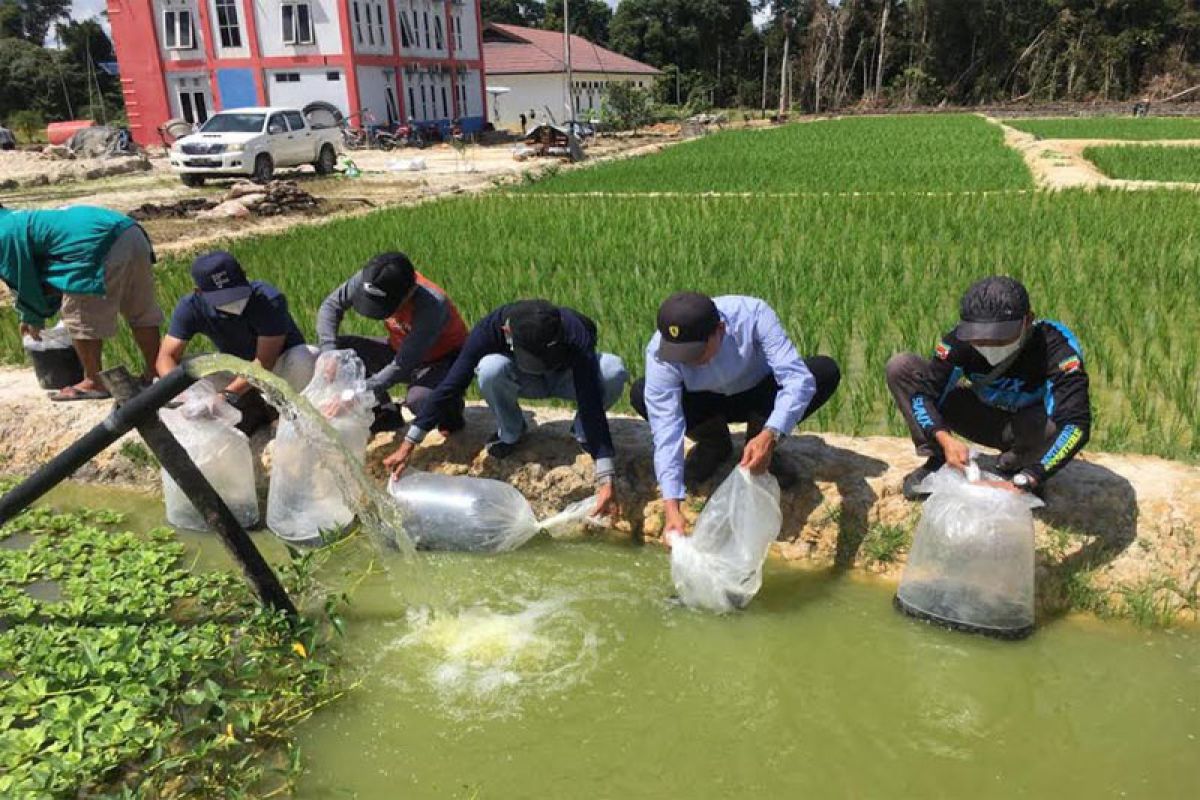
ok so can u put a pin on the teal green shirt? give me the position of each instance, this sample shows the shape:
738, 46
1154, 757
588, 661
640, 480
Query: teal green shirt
45, 254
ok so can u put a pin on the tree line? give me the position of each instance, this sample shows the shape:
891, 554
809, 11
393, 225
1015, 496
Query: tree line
65, 81
891, 52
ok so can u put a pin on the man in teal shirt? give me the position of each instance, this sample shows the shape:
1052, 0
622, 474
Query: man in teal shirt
89, 264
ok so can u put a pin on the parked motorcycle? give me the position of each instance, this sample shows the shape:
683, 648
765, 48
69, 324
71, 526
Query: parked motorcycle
405, 134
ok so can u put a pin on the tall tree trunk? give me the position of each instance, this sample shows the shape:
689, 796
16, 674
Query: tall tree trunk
882, 46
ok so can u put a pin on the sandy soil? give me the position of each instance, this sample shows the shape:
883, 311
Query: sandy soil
1132, 520
1059, 163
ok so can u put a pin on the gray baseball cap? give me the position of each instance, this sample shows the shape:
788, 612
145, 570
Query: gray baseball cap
993, 309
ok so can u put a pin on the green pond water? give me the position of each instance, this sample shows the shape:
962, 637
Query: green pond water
563, 670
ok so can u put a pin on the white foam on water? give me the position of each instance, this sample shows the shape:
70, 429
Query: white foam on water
484, 662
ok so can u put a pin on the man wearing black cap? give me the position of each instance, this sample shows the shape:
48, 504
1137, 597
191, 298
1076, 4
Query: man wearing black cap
532, 349
1000, 378
425, 334
243, 318
719, 360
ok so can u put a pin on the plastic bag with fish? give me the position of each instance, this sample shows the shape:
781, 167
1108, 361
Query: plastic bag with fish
972, 558
454, 512
719, 567
206, 427
309, 472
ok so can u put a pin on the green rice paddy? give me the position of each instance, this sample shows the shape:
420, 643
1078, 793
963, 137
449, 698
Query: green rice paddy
1147, 162
1129, 128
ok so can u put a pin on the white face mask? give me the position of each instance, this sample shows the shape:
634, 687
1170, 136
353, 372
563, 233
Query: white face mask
236, 307
995, 355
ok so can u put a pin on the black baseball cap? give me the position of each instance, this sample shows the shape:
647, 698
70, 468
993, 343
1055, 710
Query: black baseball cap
387, 280
535, 329
220, 278
993, 309
685, 321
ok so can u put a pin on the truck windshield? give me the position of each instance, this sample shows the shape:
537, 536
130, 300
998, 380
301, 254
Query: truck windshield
234, 123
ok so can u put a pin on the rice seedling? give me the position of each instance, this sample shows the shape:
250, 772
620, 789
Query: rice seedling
1128, 128
1147, 163
918, 153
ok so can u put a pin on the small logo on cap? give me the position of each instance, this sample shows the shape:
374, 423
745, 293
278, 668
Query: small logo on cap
374, 290
674, 331
221, 279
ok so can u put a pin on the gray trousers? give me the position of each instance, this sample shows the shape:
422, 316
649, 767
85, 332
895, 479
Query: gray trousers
1023, 436
376, 354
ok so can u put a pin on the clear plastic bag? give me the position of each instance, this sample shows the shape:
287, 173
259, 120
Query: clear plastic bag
453, 512
719, 567
205, 425
307, 495
56, 338
972, 559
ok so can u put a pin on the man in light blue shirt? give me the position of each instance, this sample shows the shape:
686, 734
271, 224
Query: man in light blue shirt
716, 361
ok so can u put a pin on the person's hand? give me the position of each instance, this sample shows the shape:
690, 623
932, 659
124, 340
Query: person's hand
958, 454
1007, 486
606, 501
332, 407
756, 455
673, 522
398, 460
32, 331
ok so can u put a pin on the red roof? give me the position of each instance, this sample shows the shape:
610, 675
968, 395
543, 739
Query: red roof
530, 50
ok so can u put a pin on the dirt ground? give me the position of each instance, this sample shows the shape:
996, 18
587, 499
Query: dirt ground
388, 179
1128, 523
1059, 163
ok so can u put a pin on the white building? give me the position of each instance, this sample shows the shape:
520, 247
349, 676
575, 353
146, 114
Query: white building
530, 63
397, 59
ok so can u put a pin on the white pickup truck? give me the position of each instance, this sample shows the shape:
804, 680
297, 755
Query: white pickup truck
254, 142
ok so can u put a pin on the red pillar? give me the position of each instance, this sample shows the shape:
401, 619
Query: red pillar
346, 22
255, 50
210, 52
479, 57
135, 39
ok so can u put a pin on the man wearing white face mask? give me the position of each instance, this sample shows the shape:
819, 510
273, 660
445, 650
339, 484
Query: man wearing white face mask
1001, 378
243, 318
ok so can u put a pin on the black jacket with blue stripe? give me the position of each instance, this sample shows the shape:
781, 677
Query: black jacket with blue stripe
1049, 371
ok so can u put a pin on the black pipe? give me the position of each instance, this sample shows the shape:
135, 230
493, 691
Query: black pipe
121, 421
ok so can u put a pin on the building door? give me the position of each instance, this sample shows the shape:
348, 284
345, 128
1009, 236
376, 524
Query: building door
389, 89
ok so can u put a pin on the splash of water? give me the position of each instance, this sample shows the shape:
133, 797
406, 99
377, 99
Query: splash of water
376, 511
483, 662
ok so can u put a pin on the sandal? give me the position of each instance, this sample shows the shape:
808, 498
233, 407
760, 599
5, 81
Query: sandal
72, 393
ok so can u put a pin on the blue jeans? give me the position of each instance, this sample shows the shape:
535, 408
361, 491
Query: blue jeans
502, 384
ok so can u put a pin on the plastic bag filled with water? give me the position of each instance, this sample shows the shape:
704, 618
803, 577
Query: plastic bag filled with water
310, 473
971, 564
452, 512
719, 567
205, 425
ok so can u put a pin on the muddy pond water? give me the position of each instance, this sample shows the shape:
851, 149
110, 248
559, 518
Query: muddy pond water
564, 670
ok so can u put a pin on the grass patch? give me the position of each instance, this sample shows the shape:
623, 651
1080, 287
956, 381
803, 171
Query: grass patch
884, 543
144, 679
1147, 163
1128, 128
917, 153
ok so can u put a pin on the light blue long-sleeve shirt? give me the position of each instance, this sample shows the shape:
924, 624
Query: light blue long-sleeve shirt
754, 346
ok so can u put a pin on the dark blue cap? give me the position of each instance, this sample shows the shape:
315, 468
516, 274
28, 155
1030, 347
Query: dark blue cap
220, 278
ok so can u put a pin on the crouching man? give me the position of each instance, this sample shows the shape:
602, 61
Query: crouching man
1000, 378
536, 350
424, 335
719, 360
243, 318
